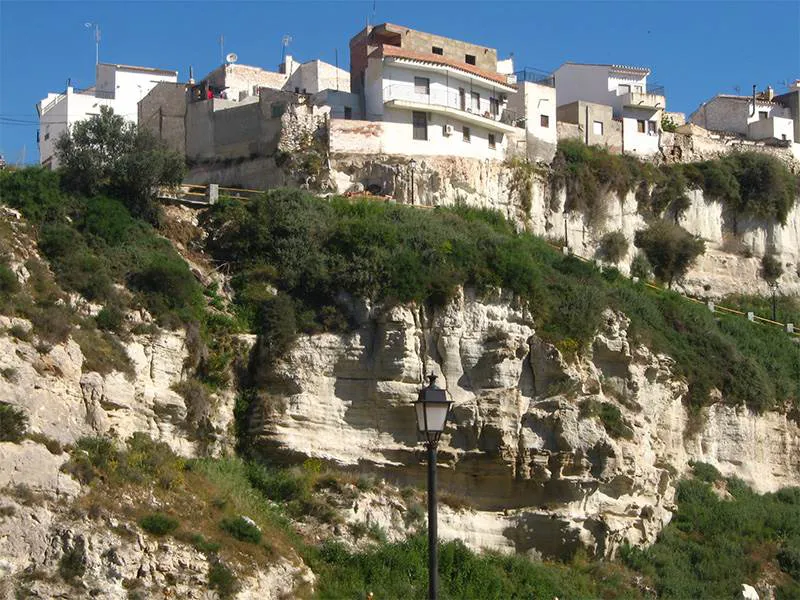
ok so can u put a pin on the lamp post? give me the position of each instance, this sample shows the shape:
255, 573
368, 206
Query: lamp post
412, 165
432, 408
773, 286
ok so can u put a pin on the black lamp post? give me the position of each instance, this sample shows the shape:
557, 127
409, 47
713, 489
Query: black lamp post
412, 165
773, 286
432, 408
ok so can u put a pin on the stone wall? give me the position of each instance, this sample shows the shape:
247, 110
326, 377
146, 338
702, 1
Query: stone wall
163, 112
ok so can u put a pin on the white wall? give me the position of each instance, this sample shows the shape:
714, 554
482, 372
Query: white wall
733, 114
582, 82
131, 87
316, 75
633, 142
773, 127
533, 100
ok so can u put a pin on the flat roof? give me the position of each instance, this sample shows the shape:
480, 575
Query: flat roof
438, 59
140, 69
626, 68
394, 28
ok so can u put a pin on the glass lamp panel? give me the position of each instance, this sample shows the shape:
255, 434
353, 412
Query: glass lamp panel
437, 415
420, 408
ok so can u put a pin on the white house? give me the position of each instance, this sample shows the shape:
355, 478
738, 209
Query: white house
432, 95
119, 87
757, 117
535, 100
625, 89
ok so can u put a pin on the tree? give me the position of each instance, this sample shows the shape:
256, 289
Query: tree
104, 154
771, 268
670, 249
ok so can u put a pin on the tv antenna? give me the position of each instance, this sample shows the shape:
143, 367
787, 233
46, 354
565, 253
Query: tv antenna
96, 27
737, 89
285, 41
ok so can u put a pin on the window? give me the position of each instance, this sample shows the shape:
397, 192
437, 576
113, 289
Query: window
494, 106
469, 59
640, 125
652, 128
348, 112
420, 125
783, 137
544, 120
475, 103
422, 85
462, 99
437, 50
492, 143
597, 127
623, 88
762, 114
465, 131
297, 90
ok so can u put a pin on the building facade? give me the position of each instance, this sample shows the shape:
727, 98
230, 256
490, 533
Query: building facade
434, 96
625, 89
761, 116
120, 87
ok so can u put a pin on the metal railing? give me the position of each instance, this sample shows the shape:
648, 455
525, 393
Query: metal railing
535, 76
656, 89
452, 99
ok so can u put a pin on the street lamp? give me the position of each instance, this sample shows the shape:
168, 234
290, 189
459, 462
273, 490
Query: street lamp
773, 286
412, 164
432, 408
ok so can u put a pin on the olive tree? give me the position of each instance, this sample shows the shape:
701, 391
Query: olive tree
106, 154
670, 249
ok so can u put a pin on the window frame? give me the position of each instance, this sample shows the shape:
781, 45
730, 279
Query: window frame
466, 134
419, 119
475, 101
492, 141
470, 59
422, 83
544, 121
595, 127
437, 50
641, 126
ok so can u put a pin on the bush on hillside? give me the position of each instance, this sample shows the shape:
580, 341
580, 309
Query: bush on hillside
158, 523
641, 267
613, 246
771, 268
13, 423
34, 191
670, 249
104, 154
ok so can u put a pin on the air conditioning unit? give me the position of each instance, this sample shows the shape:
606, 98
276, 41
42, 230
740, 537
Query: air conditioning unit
449, 129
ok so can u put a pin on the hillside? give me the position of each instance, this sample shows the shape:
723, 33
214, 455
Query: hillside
257, 359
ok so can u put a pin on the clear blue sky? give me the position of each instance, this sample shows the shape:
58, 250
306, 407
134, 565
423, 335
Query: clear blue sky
695, 49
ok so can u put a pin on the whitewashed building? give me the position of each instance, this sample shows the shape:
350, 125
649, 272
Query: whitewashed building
432, 95
638, 106
119, 87
758, 117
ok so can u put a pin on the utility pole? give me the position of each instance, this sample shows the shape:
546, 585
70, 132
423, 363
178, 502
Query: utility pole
96, 27
221, 49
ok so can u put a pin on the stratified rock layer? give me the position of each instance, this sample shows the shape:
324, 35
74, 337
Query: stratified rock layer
543, 478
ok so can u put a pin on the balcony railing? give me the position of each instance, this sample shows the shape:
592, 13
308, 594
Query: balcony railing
536, 76
453, 99
646, 99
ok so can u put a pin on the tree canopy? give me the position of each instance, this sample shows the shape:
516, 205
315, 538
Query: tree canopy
107, 155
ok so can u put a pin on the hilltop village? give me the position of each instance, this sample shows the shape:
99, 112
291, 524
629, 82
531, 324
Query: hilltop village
414, 94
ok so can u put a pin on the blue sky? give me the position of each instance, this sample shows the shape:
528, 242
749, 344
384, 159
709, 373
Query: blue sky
695, 49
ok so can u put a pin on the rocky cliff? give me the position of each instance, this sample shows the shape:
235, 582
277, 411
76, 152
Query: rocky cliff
526, 447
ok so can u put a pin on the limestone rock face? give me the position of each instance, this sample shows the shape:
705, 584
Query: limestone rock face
543, 476
65, 403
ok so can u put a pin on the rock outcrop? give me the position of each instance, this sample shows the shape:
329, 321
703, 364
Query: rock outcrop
542, 474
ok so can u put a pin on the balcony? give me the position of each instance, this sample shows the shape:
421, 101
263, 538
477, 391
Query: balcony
535, 76
653, 98
449, 102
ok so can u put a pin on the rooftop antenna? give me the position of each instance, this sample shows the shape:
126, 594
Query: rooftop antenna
738, 90
96, 27
285, 41
222, 48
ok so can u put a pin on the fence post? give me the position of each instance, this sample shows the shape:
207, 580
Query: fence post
710, 305
790, 328
751, 316
212, 193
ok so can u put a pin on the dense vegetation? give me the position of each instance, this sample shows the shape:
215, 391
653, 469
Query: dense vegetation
297, 261
713, 545
749, 184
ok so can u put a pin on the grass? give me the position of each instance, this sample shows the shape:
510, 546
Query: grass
712, 546
102, 352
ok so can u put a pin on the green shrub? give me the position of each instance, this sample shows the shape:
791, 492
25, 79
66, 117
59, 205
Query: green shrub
102, 352
13, 423
72, 564
641, 267
158, 523
613, 246
34, 191
670, 249
771, 268
241, 529
110, 318
223, 580
705, 472
668, 124
789, 558
9, 284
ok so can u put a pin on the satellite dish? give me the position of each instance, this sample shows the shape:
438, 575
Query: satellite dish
231, 57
